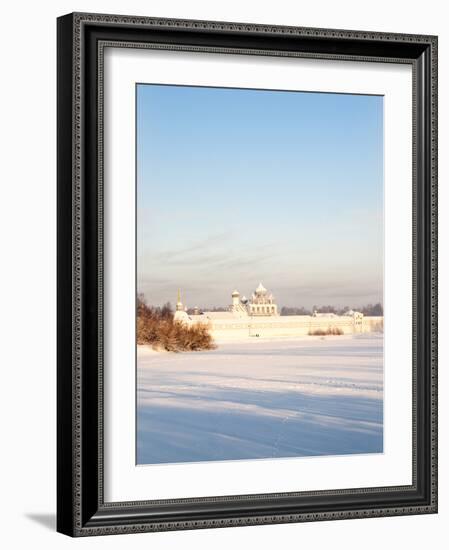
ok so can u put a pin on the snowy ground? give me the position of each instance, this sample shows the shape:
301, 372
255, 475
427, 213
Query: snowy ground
261, 399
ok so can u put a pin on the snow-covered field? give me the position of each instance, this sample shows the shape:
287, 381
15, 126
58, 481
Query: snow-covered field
261, 399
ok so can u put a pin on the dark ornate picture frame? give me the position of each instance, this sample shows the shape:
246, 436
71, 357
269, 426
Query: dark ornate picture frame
81, 510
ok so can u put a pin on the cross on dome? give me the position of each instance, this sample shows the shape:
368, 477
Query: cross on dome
261, 289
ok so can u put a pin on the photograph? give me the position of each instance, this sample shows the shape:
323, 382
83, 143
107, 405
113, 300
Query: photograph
247, 275
259, 274
229, 221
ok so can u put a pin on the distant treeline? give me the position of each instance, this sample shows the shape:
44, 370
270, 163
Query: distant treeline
370, 310
191, 310
156, 327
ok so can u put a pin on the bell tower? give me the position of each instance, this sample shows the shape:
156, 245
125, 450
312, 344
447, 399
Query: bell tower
179, 306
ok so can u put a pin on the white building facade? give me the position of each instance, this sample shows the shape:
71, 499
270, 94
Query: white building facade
258, 317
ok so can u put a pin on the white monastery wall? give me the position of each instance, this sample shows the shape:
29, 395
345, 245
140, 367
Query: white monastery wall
259, 318
287, 326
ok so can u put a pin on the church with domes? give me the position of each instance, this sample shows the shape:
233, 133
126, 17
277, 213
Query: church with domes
262, 303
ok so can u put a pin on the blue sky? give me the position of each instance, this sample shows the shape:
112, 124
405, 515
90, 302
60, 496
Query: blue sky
240, 186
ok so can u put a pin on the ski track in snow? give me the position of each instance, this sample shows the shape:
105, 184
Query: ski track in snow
263, 399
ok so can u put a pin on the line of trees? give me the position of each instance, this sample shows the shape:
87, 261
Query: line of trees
370, 310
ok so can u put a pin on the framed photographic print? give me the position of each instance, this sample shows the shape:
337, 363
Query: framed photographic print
247, 279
